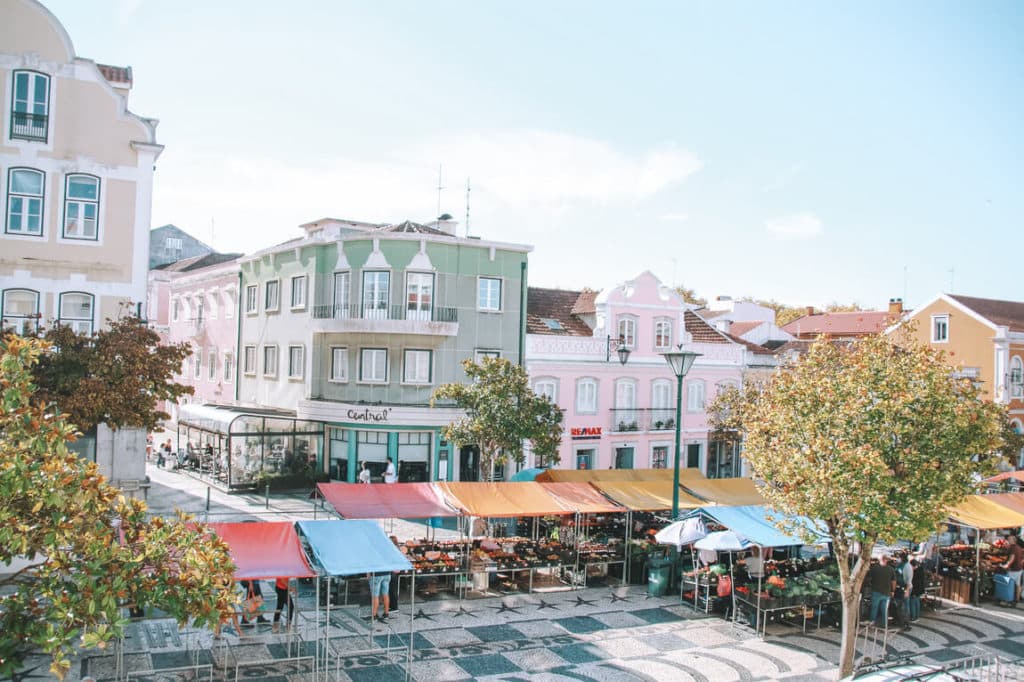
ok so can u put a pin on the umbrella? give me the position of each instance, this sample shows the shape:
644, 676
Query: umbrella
723, 541
682, 532
527, 474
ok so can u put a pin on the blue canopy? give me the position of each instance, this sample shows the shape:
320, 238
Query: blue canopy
352, 547
527, 474
757, 524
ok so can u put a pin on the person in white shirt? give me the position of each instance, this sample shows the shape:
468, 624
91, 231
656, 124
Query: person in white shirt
364, 474
389, 474
754, 563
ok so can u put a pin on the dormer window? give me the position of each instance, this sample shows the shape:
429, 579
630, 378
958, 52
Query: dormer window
30, 106
940, 328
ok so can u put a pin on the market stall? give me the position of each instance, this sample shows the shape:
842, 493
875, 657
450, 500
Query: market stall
356, 548
966, 569
726, 491
597, 533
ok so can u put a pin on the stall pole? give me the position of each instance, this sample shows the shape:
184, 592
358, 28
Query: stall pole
267, 496
629, 545
207, 499
977, 566
412, 610
576, 571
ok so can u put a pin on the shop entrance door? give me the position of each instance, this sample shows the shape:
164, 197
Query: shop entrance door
469, 463
624, 458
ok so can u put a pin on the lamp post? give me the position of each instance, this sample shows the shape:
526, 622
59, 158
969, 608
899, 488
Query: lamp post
619, 346
680, 361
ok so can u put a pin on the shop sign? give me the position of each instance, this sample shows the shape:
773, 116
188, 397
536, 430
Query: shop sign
369, 415
585, 432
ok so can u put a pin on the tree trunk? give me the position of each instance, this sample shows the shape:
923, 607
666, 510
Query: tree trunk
850, 579
848, 638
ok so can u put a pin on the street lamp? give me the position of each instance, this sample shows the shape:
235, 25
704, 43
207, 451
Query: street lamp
620, 347
680, 361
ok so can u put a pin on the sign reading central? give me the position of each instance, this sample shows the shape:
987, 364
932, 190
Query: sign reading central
369, 415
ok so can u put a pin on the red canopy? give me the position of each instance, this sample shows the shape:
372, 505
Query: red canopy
1019, 475
385, 501
264, 550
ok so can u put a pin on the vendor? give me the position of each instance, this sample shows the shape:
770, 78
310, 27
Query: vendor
754, 563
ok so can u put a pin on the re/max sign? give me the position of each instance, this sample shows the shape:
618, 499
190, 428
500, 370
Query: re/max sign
585, 432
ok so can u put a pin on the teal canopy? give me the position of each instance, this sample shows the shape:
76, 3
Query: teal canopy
352, 547
756, 523
527, 474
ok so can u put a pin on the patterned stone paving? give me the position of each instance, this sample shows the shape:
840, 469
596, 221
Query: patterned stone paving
553, 637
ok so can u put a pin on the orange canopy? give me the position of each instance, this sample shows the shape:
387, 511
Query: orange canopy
582, 497
1018, 475
594, 475
1014, 501
982, 512
646, 495
264, 550
502, 500
389, 501
736, 492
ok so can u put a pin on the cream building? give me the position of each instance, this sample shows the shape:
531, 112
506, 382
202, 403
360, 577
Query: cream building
76, 179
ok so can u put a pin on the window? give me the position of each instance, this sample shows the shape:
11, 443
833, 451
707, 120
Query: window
172, 243
270, 361
693, 455
296, 362
30, 106
200, 308
81, 207
479, 355
252, 292
272, 299
419, 295
299, 291
249, 359
20, 310
663, 414
229, 367
1016, 378
489, 294
76, 311
659, 457
940, 328
341, 294
586, 396
627, 331
197, 362
625, 405
339, 364
376, 293
229, 302
211, 364
662, 334
373, 365
695, 396
25, 201
548, 388
416, 367
585, 458
175, 309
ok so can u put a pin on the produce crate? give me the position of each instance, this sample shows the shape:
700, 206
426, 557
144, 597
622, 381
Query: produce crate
956, 590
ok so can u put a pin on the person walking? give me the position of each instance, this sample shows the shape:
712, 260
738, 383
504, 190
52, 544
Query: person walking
904, 580
285, 597
917, 587
253, 603
1015, 565
389, 474
882, 579
364, 474
380, 585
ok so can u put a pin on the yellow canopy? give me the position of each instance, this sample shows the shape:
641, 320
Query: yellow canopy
502, 500
736, 492
593, 475
978, 511
646, 495
581, 497
1012, 501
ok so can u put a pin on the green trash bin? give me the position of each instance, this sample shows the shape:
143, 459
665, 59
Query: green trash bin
659, 573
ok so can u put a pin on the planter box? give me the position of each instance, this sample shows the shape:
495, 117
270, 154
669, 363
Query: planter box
956, 590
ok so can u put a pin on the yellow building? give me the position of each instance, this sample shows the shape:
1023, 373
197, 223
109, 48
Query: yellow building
76, 179
985, 341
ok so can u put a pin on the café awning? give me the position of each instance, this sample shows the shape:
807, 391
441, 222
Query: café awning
582, 497
352, 547
978, 511
646, 495
594, 475
264, 549
502, 500
731, 491
386, 501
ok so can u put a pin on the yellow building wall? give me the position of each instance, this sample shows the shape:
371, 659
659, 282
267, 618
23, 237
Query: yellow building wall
970, 341
26, 29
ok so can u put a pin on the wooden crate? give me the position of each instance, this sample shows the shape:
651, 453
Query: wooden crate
956, 590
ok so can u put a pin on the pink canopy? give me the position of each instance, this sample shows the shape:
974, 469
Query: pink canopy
1019, 475
385, 501
264, 550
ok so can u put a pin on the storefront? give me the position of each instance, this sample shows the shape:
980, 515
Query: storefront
238, 448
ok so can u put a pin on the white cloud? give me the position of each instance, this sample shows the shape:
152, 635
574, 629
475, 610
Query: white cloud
797, 225
675, 217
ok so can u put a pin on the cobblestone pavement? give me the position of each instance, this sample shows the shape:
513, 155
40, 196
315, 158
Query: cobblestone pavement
600, 633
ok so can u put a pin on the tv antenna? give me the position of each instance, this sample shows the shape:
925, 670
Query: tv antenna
467, 207
440, 187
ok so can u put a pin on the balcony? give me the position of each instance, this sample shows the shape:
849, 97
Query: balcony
625, 420
396, 319
26, 126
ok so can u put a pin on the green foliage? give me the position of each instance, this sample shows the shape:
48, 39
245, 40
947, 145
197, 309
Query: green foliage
875, 438
501, 413
89, 551
118, 376
690, 296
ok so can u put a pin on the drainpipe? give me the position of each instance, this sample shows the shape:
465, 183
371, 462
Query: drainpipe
238, 337
522, 310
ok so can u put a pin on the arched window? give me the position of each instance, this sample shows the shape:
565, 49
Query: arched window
19, 310
1016, 378
547, 386
81, 207
30, 106
76, 311
695, 396
586, 396
25, 191
662, 333
627, 331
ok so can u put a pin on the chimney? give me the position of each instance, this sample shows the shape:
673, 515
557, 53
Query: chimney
809, 311
895, 307
445, 223
723, 324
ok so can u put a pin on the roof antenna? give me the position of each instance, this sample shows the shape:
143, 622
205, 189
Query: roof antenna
952, 272
439, 188
467, 208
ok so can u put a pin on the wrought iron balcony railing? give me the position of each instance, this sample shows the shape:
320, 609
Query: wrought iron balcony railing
26, 126
643, 419
394, 312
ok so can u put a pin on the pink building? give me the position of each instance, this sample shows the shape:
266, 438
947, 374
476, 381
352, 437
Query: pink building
196, 301
623, 415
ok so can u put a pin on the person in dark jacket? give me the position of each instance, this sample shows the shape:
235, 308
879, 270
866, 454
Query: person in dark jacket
917, 585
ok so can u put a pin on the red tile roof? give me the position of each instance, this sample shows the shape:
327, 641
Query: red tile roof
557, 305
741, 328
859, 323
584, 304
1003, 313
703, 332
116, 74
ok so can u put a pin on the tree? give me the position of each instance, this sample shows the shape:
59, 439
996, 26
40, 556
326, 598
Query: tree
690, 296
83, 552
875, 438
117, 376
501, 413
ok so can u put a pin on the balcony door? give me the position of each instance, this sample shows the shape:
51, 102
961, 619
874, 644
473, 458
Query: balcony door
625, 405
419, 295
376, 291
341, 294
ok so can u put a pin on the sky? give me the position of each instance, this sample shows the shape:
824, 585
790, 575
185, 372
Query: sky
805, 152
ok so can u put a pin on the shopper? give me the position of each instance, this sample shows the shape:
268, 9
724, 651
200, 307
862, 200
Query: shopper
904, 580
1015, 565
285, 596
882, 579
393, 587
380, 585
364, 473
253, 602
917, 587
389, 474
